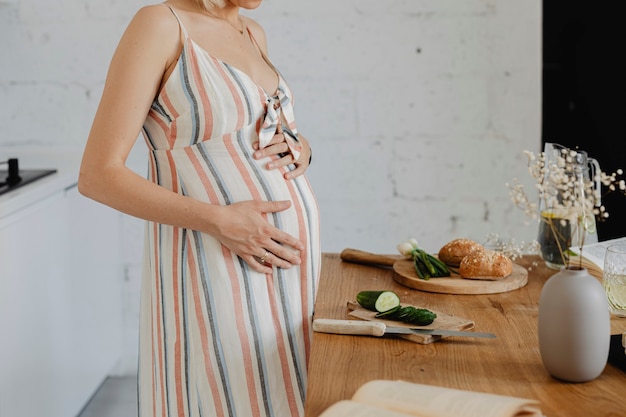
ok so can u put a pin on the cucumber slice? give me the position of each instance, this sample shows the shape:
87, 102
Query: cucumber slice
420, 316
409, 314
401, 314
389, 314
380, 301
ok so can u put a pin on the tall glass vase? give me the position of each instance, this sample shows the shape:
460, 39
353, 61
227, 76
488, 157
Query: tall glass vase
574, 326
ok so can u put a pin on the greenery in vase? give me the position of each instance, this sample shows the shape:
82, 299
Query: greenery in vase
568, 206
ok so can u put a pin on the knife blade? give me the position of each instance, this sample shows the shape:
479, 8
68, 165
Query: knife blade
376, 328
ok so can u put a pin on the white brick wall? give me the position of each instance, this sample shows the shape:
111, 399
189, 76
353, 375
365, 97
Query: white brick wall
417, 110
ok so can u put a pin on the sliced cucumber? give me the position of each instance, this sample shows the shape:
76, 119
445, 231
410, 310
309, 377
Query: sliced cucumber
387, 305
421, 316
411, 315
387, 314
380, 301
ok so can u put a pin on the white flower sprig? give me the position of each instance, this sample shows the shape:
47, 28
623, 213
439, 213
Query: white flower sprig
511, 248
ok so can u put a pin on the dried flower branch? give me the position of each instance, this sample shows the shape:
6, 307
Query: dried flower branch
568, 203
511, 248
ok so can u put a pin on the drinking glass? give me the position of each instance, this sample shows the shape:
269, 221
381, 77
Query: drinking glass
614, 279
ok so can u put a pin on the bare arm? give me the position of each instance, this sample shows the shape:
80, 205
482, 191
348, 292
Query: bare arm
149, 45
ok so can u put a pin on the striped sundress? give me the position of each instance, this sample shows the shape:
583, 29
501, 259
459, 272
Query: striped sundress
216, 337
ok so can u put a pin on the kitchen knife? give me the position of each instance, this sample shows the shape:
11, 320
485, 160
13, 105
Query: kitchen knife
376, 328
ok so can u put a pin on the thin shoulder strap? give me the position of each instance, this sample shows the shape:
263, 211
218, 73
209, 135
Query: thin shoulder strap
256, 44
180, 23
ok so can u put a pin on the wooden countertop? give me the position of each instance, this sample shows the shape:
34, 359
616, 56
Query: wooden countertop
508, 365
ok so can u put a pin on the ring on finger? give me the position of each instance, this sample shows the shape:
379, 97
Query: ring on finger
263, 258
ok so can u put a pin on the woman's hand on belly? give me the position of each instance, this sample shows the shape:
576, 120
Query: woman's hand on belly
243, 228
278, 151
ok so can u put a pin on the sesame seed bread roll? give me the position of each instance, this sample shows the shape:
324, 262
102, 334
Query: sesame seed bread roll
452, 253
486, 264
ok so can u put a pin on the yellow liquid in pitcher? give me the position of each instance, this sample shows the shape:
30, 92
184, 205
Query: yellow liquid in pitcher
555, 236
615, 287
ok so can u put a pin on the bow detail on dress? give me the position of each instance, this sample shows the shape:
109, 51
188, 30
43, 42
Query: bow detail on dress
280, 112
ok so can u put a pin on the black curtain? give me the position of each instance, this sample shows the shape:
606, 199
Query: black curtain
584, 89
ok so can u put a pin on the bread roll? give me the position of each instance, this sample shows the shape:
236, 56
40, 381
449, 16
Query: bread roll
486, 264
452, 253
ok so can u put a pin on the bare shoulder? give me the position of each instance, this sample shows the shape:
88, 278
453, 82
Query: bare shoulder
154, 25
157, 15
257, 32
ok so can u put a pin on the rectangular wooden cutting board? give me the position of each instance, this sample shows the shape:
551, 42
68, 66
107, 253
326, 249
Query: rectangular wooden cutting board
443, 321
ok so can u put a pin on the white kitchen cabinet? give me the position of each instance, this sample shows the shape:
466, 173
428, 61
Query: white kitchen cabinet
60, 302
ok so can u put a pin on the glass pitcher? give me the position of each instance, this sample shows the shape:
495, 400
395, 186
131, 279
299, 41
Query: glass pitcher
557, 234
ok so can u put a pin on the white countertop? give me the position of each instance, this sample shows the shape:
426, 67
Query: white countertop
65, 161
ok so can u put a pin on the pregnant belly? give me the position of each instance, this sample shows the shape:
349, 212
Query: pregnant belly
221, 174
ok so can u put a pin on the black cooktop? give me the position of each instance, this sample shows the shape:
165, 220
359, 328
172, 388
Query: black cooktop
26, 176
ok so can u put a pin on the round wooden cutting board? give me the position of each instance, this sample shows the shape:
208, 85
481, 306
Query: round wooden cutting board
405, 275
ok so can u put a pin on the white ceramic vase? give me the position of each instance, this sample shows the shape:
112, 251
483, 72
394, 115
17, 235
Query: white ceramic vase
574, 326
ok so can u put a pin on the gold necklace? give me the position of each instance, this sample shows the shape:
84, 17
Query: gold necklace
229, 22
235, 27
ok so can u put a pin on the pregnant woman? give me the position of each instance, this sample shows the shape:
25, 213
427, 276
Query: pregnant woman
232, 231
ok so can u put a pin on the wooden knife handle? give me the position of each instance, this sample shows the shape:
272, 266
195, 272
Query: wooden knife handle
361, 257
354, 327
